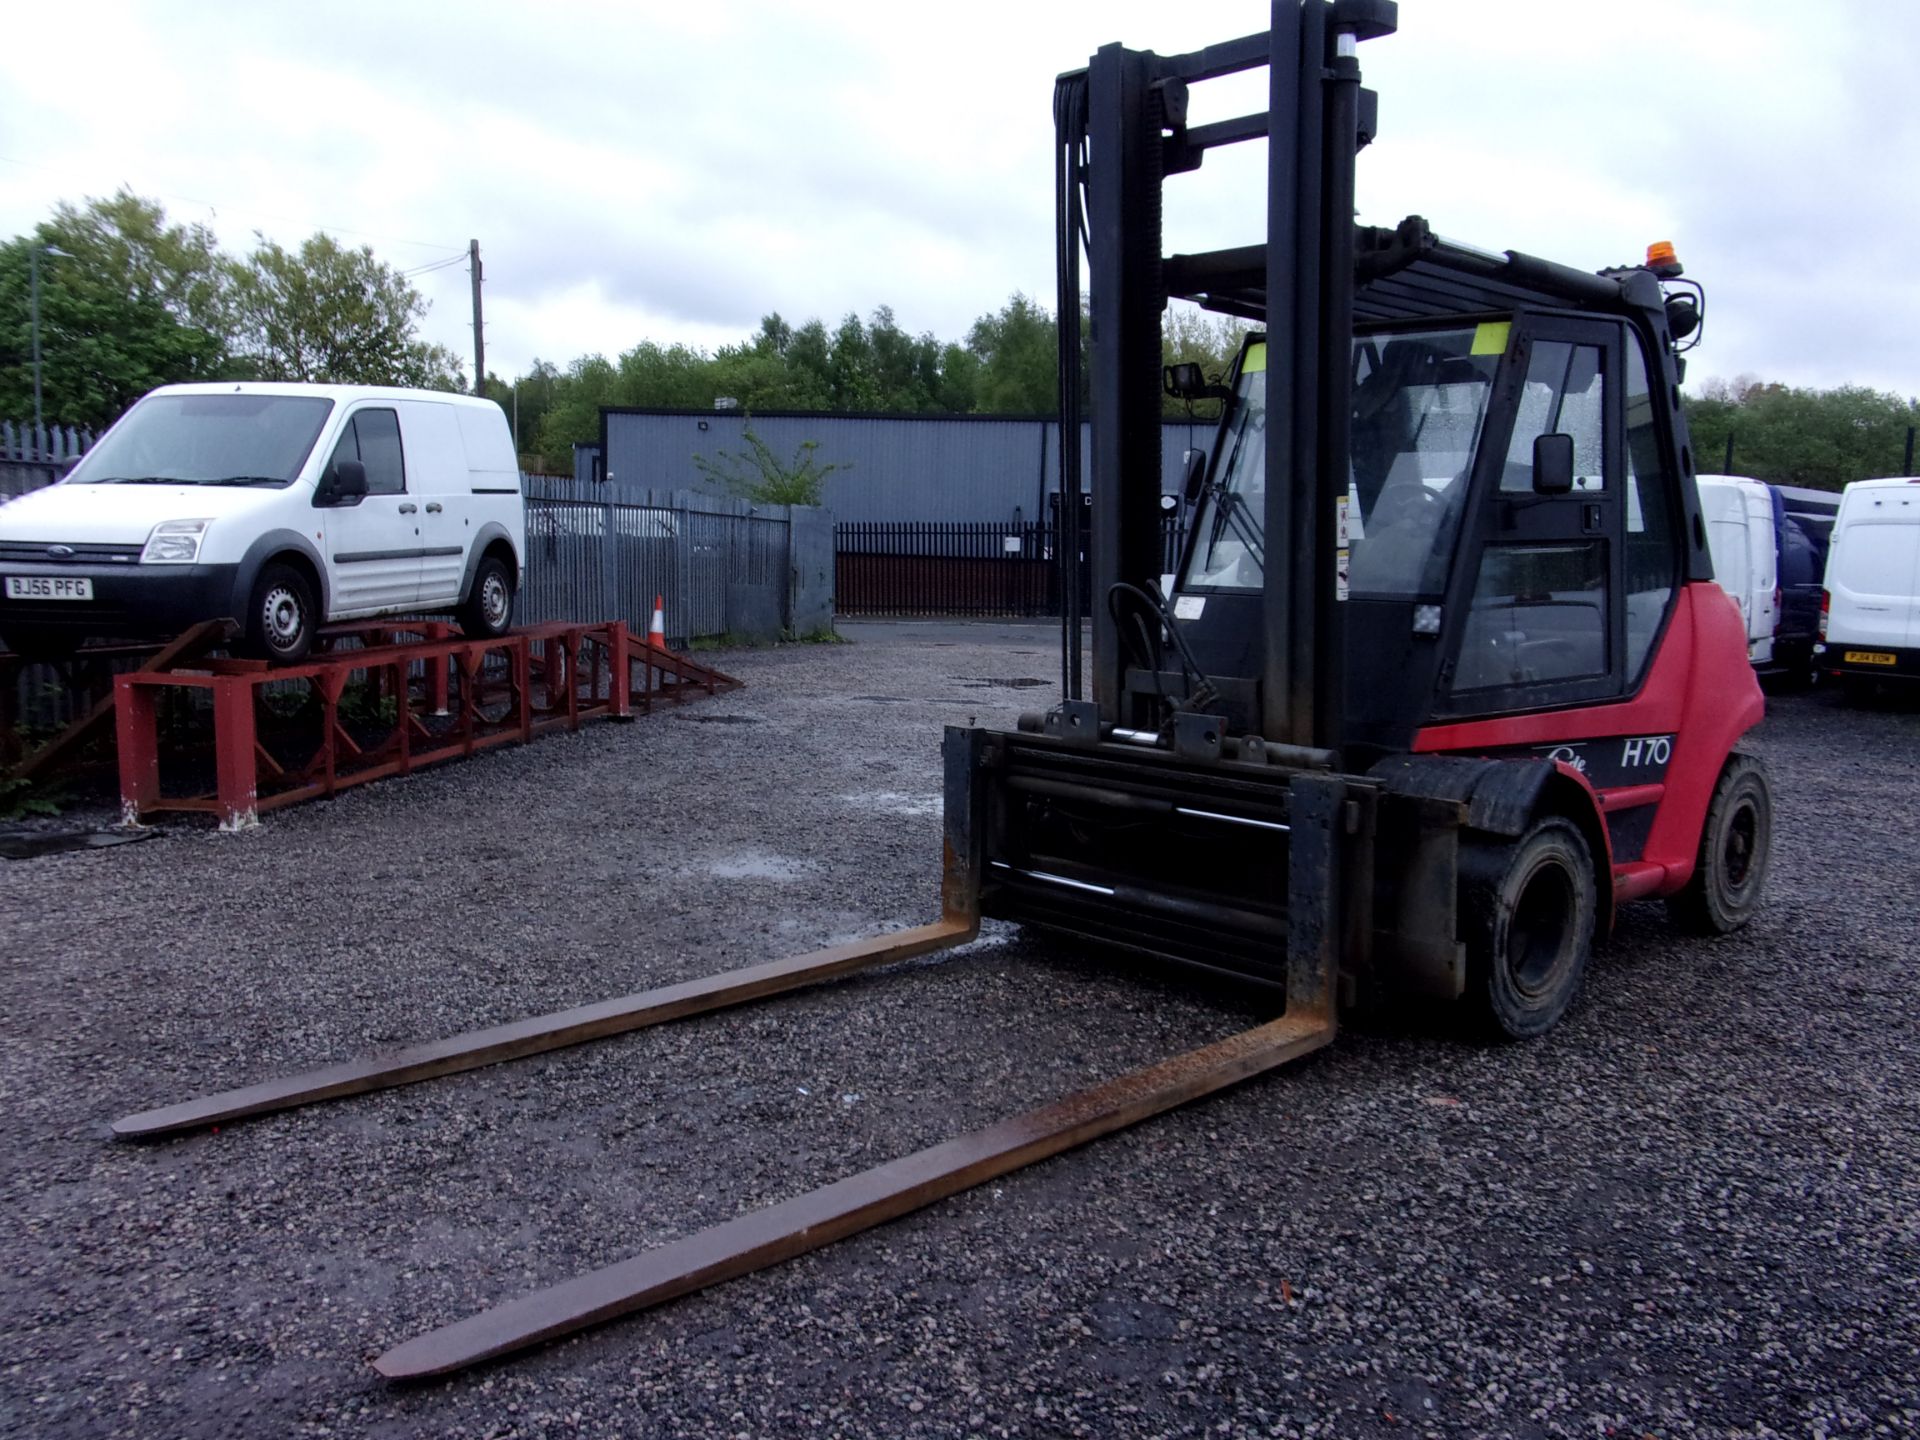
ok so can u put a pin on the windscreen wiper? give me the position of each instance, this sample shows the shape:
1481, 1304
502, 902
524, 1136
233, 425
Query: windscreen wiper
246, 480
1234, 513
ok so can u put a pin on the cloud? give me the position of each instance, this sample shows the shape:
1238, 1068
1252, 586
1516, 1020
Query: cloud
673, 172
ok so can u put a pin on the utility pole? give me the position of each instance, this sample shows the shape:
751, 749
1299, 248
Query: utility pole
479, 332
33, 284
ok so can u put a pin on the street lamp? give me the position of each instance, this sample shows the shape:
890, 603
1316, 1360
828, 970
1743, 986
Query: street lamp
33, 286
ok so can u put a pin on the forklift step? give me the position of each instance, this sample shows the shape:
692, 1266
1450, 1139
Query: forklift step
546, 1032
859, 1202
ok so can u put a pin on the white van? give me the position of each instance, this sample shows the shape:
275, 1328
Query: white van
1740, 537
281, 506
1870, 616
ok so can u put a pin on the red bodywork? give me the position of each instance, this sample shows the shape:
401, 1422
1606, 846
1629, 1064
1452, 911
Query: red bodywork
1700, 690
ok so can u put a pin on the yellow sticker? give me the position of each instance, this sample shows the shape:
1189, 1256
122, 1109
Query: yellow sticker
1490, 337
1256, 358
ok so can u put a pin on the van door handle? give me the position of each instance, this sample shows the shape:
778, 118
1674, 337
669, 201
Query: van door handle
408, 509
433, 507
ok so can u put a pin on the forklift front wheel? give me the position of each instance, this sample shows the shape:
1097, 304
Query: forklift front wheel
1731, 870
1526, 912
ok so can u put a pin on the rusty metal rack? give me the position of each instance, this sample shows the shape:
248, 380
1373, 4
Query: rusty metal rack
424, 695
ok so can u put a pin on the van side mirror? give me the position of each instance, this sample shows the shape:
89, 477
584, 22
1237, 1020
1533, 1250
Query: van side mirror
348, 482
1553, 464
1195, 476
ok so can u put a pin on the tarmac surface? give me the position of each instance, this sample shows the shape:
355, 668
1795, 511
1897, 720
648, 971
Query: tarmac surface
1692, 1210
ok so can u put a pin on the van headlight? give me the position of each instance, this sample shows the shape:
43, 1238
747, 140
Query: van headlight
174, 542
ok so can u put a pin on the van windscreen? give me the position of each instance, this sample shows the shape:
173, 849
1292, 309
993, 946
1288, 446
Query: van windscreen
238, 439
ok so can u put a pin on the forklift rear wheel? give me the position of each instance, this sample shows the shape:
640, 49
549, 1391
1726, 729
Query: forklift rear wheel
1730, 872
1526, 912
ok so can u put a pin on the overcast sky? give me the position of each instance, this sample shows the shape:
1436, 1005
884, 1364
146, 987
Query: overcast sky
674, 171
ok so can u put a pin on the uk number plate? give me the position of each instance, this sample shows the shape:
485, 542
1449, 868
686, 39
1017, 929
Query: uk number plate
1870, 657
49, 587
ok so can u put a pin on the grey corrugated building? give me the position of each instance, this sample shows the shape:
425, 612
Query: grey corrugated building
898, 467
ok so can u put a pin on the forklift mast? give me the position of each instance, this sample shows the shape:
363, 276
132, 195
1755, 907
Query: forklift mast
1122, 130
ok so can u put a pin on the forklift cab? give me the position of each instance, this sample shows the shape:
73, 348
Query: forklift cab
1510, 540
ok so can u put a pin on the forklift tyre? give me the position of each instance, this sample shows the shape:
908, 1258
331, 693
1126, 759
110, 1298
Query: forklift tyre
1527, 911
1730, 874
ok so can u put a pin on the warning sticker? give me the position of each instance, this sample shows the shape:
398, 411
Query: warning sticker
1490, 337
1342, 554
1189, 607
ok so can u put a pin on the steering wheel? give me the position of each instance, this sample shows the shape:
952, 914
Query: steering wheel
1403, 501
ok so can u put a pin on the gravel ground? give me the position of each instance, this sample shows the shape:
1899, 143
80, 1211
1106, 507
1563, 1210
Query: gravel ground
1692, 1210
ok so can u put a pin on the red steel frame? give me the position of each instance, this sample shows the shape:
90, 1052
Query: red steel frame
556, 676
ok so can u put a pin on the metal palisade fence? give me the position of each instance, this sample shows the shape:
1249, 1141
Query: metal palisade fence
597, 552
30, 458
959, 567
594, 551
721, 567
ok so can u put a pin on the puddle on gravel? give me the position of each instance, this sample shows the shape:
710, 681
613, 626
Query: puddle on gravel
757, 865
984, 682
882, 699
893, 802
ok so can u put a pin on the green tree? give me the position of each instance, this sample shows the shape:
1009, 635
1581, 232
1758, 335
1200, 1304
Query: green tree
1793, 436
759, 475
1018, 357
327, 312
573, 417
131, 302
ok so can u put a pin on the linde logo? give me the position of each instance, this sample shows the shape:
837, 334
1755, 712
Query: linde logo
1646, 750
1569, 755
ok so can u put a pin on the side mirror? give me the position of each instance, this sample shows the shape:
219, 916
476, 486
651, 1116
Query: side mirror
349, 481
1553, 464
1195, 476
1187, 381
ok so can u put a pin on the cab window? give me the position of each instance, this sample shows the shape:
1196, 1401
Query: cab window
1652, 564
1562, 395
373, 438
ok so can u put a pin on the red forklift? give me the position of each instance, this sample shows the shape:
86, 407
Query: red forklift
1441, 680
1443, 677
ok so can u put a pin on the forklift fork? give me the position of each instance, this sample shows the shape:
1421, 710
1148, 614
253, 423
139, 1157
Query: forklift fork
871, 1197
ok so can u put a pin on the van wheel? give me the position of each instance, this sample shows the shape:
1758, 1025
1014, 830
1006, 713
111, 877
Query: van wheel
281, 616
488, 608
1730, 873
1527, 917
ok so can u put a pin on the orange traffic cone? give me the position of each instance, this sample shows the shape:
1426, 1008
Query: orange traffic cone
657, 631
